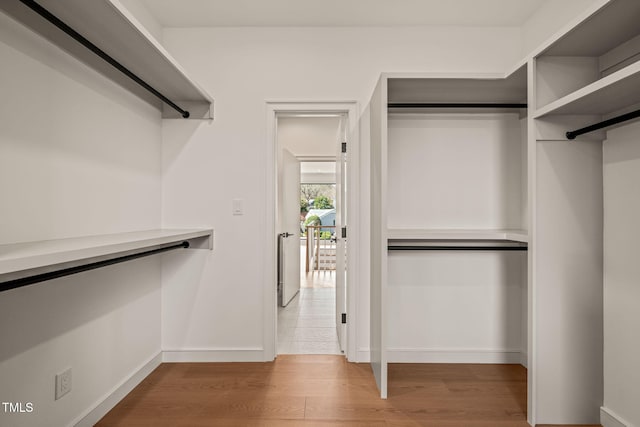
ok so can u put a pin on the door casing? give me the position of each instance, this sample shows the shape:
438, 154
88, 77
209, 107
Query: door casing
301, 108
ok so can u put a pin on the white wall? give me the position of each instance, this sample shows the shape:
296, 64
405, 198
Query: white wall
208, 165
456, 171
447, 307
78, 155
621, 273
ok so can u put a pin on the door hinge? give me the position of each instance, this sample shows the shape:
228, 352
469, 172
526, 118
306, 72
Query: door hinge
344, 317
344, 147
344, 232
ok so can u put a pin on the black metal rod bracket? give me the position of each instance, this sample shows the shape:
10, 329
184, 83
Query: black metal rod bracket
30, 280
603, 124
31, 4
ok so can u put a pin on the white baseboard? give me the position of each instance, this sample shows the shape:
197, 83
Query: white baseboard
418, 355
610, 419
111, 399
363, 355
214, 355
524, 359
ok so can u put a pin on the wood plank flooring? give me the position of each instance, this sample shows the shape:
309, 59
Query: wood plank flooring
324, 390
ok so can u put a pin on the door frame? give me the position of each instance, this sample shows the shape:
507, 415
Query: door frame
270, 318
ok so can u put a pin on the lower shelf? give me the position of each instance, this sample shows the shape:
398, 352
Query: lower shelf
514, 235
22, 264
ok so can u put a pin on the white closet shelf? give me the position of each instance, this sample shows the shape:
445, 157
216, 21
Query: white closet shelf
465, 88
112, 28
605, 25
19, 260
609, 94
514, 235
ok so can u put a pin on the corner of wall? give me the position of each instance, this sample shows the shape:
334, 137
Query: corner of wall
111, 399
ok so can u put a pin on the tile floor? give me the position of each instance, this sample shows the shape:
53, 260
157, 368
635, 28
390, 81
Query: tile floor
307, 325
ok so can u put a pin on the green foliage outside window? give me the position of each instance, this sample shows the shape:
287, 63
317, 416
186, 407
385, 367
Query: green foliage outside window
322, 202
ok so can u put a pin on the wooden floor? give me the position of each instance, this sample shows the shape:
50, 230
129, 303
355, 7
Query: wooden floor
307, 390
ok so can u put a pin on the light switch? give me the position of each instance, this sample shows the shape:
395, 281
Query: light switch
237, 207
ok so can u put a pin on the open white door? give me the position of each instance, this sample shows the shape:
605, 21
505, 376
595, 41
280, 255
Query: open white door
288, 227
341, 239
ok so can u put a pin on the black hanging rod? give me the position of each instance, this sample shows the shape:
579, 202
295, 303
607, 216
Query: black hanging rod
455, 105
102, 54
455, 248
606, 123
24, 281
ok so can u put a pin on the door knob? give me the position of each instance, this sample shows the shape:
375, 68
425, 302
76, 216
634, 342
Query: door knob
285, 235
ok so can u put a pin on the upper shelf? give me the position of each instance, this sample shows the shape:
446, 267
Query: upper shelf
19, 260
609, 94
457, 234
606, 28
464, 89
111, 27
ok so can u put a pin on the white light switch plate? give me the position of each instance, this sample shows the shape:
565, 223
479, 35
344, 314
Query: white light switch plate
238, 208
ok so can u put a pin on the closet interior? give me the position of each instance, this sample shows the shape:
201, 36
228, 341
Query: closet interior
461, 191
585, 88
105, 37
503, 208
449, 264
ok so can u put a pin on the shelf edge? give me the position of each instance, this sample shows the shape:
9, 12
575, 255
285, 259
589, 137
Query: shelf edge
591, 89
44, 262
155, 44
514, 235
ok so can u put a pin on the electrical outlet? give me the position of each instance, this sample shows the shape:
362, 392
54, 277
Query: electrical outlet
63, 383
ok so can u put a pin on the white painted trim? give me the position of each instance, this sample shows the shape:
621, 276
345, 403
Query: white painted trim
353, 218
274, 107
214, 355
428, 355
99, 409
269, 335
608, 418
440, 75
363, 355
524, 359
532, 381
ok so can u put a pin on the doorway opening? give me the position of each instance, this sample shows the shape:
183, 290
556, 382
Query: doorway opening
285, 229
318, 245
308, 150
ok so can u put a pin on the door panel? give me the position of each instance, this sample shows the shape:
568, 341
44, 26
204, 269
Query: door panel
289, 224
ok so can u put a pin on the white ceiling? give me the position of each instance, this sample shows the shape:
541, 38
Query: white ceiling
310, 137
227, 13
